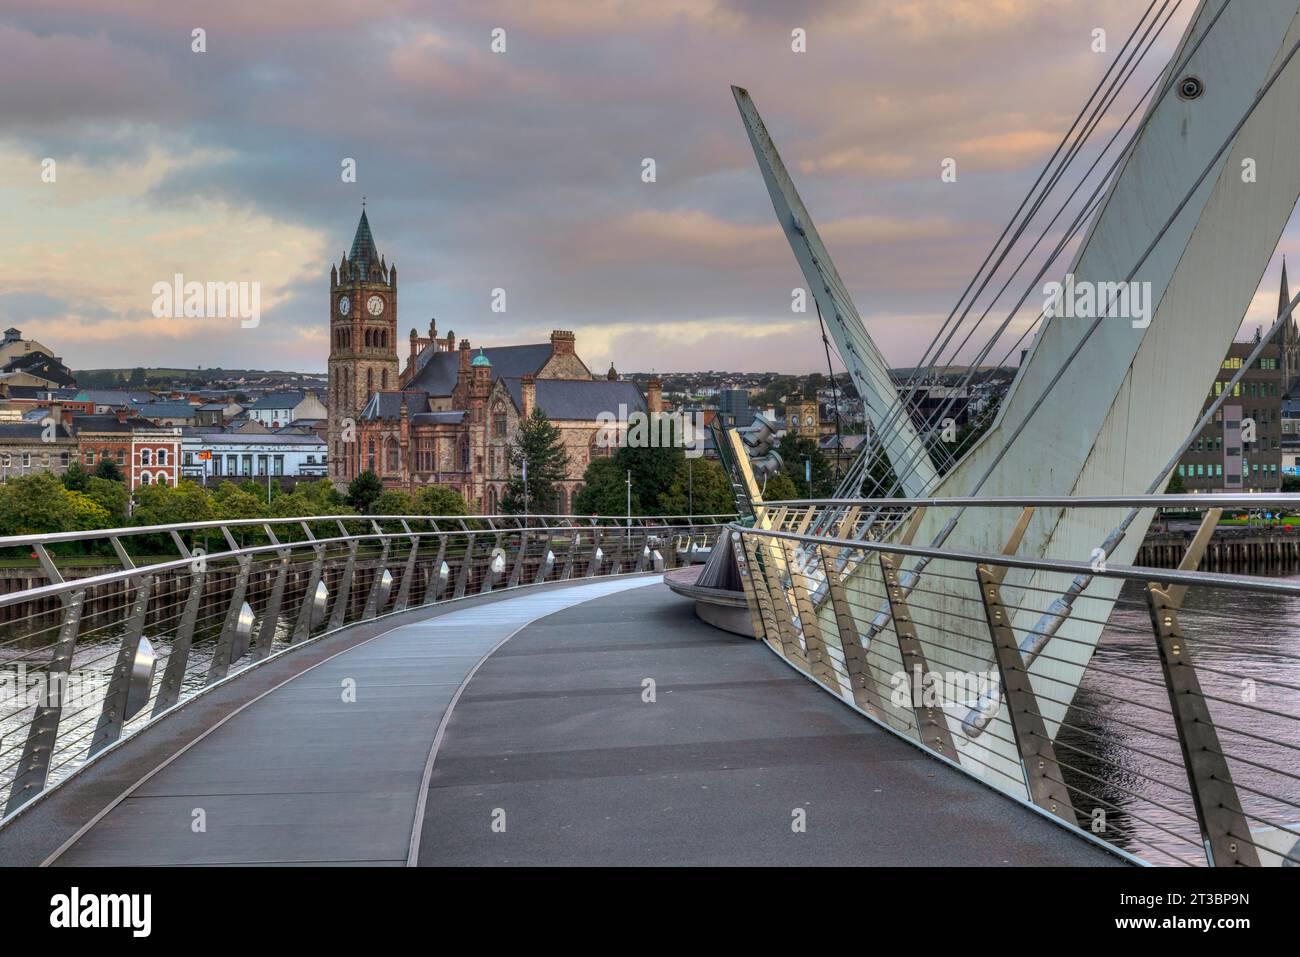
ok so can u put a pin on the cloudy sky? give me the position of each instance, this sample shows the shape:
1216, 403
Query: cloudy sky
522, 169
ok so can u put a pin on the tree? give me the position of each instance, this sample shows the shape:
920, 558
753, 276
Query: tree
793, 450
76, 478
171, 505
779, 488
87, 513
230, 502
138, 380
698, 487
109, 495
363, 491
1176, 485
107, 469
439, 500
652, 468
35, 504
392, 501
604, 490
540, 445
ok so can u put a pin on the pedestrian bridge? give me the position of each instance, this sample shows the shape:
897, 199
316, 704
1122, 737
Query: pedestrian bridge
410, 691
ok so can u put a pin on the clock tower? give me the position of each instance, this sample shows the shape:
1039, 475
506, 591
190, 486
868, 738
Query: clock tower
363, 345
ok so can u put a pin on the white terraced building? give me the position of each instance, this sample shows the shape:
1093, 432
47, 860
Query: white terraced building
240, 456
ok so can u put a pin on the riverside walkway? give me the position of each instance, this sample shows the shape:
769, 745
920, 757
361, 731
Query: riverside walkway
582, 723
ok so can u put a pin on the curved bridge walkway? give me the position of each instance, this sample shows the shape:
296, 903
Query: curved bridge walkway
552, 753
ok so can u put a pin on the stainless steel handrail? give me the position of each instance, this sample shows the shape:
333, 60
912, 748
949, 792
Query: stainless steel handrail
817, 599
215, 614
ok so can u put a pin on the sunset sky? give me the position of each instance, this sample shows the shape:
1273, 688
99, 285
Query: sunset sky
522, 169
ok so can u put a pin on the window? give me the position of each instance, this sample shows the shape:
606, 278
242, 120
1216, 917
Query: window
121, 456
90, 456
394, 456
499, 425
370, 454
162, 456
162, 478
145, 478
63, 459
146, 457
246, 465
277, 465
27, 459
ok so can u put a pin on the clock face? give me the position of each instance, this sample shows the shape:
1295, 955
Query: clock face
375, 304
345, 305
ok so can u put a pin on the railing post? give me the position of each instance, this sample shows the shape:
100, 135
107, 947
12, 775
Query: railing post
339, 613
1225, 832
408, 573
517, 572
113, 713
780, 606
597, 556
34, 765
437, 581
866, 690
738, 548
271, 617
238, 624
169, 689
305, 624
462, 574
378, 590
931, 722
570, 555
1041, 770
819, 663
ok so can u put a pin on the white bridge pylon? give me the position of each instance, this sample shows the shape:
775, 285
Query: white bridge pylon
1102, 412
861, 357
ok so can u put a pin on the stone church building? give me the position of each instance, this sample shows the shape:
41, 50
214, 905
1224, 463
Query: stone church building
448, 413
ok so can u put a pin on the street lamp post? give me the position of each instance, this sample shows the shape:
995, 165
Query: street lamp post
629, 505
690, 488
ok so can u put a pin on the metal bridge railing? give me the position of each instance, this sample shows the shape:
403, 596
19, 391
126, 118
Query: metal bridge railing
121, 625
1161, 716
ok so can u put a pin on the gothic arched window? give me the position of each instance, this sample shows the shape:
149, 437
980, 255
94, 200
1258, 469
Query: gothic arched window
370, 382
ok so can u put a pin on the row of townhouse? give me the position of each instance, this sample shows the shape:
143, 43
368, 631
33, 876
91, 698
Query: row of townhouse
149, 453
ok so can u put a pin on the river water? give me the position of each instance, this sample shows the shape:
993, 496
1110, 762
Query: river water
1246, 649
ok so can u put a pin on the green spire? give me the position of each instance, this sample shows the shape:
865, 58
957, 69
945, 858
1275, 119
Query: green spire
363, 246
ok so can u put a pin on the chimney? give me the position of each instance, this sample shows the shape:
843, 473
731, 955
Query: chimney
415, 346
464, 355
562, 343
121, 414
529, 395
654, 396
